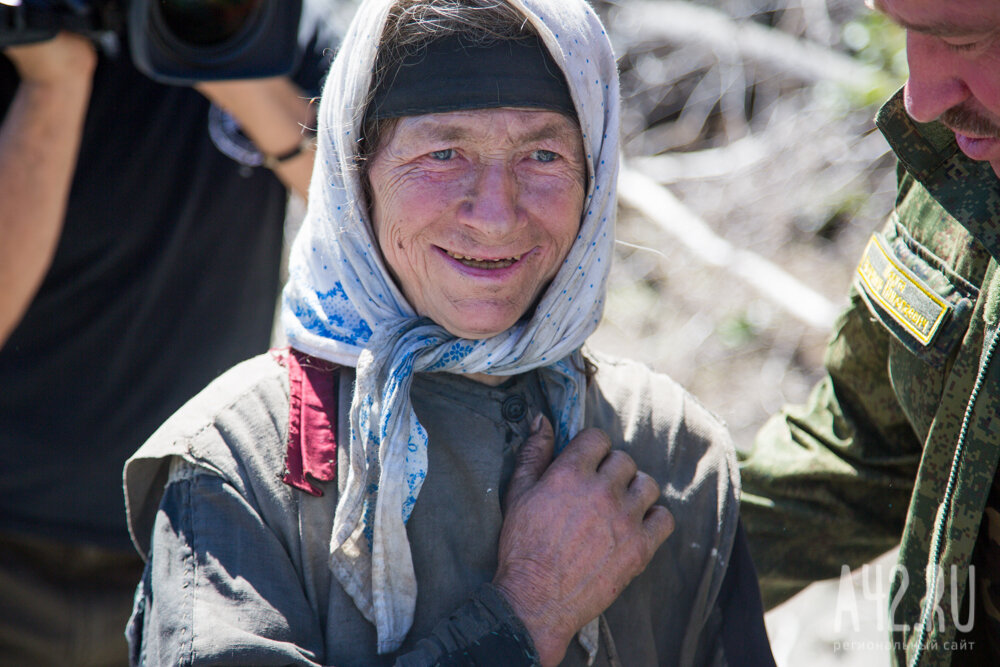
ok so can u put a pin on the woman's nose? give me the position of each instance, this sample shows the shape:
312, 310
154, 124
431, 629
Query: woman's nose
935, 83
491, 204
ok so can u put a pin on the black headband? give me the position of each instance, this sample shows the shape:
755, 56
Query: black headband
453, 74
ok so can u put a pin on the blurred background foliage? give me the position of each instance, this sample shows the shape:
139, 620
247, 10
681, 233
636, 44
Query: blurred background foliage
755, 117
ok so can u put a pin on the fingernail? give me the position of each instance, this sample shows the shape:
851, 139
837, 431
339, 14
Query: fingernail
536, 424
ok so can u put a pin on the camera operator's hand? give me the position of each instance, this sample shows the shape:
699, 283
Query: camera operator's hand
63, 59
39, 141
273, 112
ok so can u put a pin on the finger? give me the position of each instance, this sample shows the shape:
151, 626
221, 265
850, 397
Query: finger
643, 491
618, 467
658, 524
586, 450
532, 459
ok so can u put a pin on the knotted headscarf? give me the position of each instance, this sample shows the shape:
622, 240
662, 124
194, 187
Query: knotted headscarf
341, 304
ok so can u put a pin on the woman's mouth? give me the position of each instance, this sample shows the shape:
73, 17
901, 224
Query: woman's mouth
481, 263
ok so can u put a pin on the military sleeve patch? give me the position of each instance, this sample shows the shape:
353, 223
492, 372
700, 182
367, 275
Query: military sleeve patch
900, 292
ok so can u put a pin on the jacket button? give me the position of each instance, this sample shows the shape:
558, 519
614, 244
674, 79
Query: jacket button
513, 409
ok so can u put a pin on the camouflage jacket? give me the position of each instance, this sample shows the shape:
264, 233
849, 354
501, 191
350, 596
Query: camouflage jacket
902, 436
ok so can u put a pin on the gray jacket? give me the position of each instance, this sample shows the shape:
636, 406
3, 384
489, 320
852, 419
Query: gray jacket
237, 567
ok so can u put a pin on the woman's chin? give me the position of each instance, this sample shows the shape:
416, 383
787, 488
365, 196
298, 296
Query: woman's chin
476, 332
479, 324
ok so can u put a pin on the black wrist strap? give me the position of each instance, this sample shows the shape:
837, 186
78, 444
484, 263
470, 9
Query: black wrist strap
307, 144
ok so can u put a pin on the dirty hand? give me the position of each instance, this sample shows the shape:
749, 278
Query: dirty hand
576, 531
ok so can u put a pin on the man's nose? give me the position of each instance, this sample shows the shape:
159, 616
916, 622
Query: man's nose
491, 204
935, 83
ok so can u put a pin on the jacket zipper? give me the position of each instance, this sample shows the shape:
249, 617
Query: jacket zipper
931, 573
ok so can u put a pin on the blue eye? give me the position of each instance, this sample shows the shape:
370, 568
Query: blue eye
446, 154
543, 155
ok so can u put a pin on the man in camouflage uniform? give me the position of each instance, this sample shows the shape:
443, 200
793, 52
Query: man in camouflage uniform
902, 438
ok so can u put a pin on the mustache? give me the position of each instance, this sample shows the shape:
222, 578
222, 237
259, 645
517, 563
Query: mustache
966, 121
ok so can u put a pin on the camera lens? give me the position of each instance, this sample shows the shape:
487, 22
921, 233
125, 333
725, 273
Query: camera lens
207, 22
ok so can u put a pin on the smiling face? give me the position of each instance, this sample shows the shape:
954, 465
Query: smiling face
953, 50
475, 211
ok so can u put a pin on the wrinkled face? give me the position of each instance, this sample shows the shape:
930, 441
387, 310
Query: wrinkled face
475, 211
953, 49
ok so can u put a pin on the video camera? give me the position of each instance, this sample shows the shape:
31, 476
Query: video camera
173, 41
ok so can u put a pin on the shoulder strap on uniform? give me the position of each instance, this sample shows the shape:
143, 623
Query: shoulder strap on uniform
312, 422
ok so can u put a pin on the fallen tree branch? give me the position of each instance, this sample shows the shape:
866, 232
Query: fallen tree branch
661, 207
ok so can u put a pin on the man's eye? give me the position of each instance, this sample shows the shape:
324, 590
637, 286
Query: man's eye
446, 154
543, 155
964, 46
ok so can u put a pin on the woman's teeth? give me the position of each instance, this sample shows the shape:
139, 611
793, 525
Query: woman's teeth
477, 263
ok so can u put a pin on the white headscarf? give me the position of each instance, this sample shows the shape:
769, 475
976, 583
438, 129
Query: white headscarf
341, 304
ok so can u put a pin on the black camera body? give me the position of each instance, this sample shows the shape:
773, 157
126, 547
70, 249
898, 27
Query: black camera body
173, 41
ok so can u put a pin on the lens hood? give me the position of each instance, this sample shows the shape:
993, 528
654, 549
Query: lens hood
180, 42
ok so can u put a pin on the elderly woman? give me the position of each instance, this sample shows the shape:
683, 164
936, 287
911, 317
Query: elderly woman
385, 491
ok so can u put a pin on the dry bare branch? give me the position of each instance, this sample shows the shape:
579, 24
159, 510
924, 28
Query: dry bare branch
658, 205
681, 23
